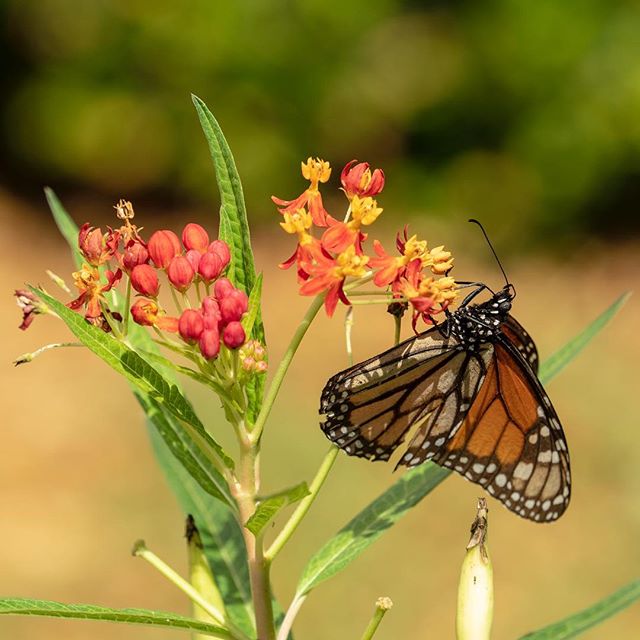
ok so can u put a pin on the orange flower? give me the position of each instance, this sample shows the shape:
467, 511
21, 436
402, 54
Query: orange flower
96, 247
427, 295
316, 171
339, 235
92, 290
328, 274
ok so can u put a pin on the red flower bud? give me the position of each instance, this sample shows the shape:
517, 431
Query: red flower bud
180, 273
234, 335
195, 237
209, 343
144, 280
358, 180
163, 246
210, 267
144, 312
191, 325
136, 253
211, 313
193, 257
221, 249
222, 288
233, 306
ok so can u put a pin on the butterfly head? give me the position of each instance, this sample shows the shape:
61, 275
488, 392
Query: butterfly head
504, 298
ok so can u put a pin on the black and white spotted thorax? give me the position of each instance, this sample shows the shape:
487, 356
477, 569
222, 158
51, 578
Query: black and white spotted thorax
473, 324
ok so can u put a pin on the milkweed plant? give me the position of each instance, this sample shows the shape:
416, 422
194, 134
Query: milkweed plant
158, 306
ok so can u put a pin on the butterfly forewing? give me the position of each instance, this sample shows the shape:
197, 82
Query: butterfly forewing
429, 381
522, 341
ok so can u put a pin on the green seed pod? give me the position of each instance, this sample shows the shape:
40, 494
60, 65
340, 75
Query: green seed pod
475, 591
200, 574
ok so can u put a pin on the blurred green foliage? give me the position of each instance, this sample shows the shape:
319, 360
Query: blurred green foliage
526, 113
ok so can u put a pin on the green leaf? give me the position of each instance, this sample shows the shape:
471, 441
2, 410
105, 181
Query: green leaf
563, 356
234, 230
49, 609
574, 625
221, 536
186, 451
234, 227
67, 227
269, 507
370, 524
136, 370
249, 320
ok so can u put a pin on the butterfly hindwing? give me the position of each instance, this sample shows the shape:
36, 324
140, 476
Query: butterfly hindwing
511, 442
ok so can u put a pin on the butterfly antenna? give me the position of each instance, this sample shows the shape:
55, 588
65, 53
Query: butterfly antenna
495, 255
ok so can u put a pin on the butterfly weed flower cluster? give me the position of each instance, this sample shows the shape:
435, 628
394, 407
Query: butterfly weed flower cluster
331, 251
143, 298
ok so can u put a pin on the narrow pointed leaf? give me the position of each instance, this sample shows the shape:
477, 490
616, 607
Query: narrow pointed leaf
221, 536
370, 524
268, 508
563, 356
578, 623
234, 230
136, 370
185, 450
49, 609
234, 227
67, 227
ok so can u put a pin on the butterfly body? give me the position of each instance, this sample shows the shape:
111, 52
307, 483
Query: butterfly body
465, 395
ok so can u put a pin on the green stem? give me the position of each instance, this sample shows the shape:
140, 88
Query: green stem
398, 329
140, 550
290, 616
126, 312
28, 357
348, 329
278, 378
382, 606
244, 491
176, 300
303, 506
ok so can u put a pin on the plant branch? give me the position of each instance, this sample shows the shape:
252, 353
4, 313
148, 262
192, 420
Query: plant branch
292, 612
303, 506
140, 550
382, 606
278, 378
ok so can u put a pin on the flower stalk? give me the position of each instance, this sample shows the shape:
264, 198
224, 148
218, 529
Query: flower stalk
382, 606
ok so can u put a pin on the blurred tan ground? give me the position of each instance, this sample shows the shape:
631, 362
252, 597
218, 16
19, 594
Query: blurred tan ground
78, 483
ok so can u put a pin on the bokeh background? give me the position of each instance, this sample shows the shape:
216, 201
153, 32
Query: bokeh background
525, 115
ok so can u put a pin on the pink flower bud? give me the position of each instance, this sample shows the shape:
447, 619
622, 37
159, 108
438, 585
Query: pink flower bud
209, 343
144, 312
136, 253
222, 288
261, 366
180, 273
195, 237
191, 325
233, 306
144, 280
210, 267
193, 257
211, 313
234, 335
163, 246
221, 249
248, 363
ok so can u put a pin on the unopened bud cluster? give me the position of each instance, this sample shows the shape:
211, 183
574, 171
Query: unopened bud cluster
209, 308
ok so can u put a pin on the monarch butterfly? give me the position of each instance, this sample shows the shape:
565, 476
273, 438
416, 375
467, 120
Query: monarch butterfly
467, 390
